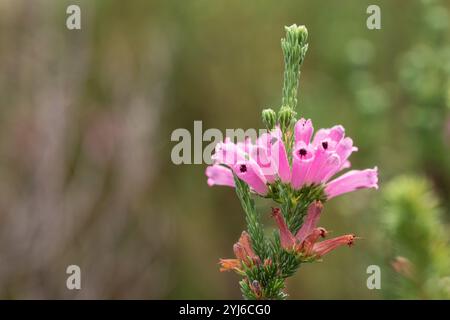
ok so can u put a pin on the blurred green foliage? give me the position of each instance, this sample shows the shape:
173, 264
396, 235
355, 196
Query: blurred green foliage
415, 232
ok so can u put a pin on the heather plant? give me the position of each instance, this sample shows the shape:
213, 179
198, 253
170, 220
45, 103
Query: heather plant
416, 241
296, 170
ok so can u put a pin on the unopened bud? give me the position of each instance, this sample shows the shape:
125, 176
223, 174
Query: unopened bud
269, 118
286, 116
256, 288
296, 34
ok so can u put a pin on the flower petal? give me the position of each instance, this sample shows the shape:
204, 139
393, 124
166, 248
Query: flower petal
303, 131
250, 172
334, 134
344, 149
303, 157
323, 247
219, 175
228, 153
351, 181
280, 158
312, 217
229, 264
308, 244
246, 243
287, 239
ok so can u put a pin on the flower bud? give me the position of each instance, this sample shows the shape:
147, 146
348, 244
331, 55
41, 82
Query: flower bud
296, 34
285, 117
256, 288
295, 41
269, 118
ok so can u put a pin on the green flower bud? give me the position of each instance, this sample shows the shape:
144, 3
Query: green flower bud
294, 48
269, 118
296, 35
285, 117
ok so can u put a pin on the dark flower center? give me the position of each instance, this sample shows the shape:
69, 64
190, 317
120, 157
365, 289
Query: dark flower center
325, 145
243, 168
302, 152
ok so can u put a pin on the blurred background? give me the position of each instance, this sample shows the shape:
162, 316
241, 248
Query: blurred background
86, 116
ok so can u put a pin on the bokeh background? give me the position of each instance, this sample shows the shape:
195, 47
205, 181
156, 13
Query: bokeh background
86, 117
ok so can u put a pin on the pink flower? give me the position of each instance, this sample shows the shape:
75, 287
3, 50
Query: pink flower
303, 158
280, 156
325, 163
305, 241
315, 160
250, 172
334, 134
351, 181
311, 220
323, 247
244, 254
287, 239
270, 154
228, 153
303, 130
262, 156
219, 175
259, 164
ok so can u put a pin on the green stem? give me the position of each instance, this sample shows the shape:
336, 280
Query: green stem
294, 48
254, 225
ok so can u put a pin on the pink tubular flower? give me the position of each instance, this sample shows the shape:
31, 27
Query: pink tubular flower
334, 134
324, 162
303, 130
280, 156
270, 154
259, 164
219, 175
315, 160
244, 254
307, 246
351, 181
228, 153
323, 247
250, 172
311, 220
287, 240
303, 158
305, 241
323, 158
262, 157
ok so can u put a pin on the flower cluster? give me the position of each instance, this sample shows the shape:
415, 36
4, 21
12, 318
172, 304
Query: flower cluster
315, 160
305, 240
304, 243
